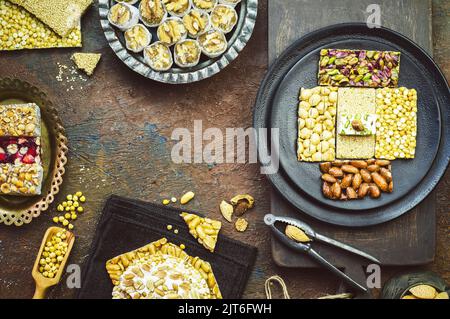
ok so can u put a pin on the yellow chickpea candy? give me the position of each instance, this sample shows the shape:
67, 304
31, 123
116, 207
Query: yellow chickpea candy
79, 194
80, 209
82, 199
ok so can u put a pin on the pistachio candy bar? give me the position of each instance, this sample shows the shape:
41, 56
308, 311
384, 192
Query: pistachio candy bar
359, 68
23, 179
20, 120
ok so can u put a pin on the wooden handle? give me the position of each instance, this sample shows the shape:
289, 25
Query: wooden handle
39, 293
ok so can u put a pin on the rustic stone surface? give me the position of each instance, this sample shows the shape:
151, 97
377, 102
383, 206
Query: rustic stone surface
119, 126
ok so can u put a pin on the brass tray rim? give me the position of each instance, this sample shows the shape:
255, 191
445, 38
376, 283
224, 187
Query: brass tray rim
57, 131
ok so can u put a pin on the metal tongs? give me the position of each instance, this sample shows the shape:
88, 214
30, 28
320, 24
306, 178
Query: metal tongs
271, 220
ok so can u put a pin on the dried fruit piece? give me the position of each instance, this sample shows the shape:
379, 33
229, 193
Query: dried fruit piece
242, 203
241, 224
205, 230
227, 210
296, 234
423, 291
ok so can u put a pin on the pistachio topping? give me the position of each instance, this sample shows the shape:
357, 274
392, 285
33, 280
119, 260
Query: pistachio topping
224, 18
152, 11
195, 22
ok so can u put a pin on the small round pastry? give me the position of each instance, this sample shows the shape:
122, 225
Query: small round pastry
152, 12
213, 43
177, 8
187, 53
171, 31
123, 16
224, 18
158, 56
196, 23
127, 1
137, 38
204, 5
232, 3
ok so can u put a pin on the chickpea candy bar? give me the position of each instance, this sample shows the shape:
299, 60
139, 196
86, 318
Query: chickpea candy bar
20, 120
24, 179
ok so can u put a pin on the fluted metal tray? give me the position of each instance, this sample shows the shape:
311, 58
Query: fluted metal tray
237, 39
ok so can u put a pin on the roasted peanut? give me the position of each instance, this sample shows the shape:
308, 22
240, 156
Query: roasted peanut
380, 181
336, 190
371, 161
336, 172
386, 174
326, 190
383, 162
328, 178
350, 169
347, 181
391, 187
373, 168
359, 164
363, 190
374, 191
351, 193
325, 167
338, 163
366, 176
357, 180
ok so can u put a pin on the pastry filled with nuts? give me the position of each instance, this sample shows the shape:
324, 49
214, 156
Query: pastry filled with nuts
177, 7
349, 180
213, 43
152, 12
161, 270
123, 16
196, 23
137, 38
171, 31
224, 18
187, 53
158, 56
204, 5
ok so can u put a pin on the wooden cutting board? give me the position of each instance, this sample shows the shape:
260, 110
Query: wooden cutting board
407, 240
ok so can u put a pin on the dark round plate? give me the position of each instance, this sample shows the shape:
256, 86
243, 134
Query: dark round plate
237, 39
299, 182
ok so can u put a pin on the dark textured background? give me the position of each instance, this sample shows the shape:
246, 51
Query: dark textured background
119, 126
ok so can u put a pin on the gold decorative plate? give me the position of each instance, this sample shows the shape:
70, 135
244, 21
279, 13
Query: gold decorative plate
19, 210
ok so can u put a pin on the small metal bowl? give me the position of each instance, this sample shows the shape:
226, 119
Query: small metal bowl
20, 210
207, 67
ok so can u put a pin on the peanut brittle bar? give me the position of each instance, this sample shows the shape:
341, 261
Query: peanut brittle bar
20, 120
23, 179
161, 270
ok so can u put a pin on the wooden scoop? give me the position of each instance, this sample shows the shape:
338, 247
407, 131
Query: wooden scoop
43, 283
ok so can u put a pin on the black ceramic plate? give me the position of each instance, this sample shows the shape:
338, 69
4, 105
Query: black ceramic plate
299, 182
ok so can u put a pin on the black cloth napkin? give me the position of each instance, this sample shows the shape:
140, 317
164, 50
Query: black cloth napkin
128, 224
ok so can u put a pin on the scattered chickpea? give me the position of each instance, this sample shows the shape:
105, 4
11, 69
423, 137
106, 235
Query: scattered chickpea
176, 231
82, 199
80, 209
169, 227
166, 202
71, 207
182, 246
173, 200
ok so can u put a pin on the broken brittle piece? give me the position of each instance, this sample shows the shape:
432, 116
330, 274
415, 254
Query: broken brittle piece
204, 229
